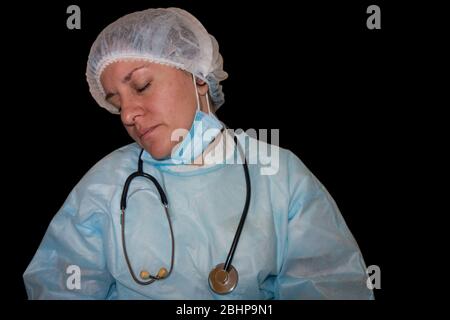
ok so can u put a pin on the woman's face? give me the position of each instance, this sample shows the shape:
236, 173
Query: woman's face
153, 99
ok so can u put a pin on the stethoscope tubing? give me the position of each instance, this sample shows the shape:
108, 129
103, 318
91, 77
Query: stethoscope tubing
165, 204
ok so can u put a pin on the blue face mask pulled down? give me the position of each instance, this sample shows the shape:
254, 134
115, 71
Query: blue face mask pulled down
204, 129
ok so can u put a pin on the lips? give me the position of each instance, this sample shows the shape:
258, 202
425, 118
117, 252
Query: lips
146, 132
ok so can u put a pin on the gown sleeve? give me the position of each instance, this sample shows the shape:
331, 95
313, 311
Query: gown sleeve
321, 259
74, 241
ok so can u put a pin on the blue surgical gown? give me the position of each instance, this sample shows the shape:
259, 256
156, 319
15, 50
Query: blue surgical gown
294, 244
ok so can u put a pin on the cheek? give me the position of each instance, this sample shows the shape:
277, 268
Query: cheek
182, 118
180, 108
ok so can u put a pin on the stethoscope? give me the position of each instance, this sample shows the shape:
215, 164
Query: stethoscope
224, 277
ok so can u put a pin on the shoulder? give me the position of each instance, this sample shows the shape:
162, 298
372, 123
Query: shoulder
284, 171
112, 168
272, 160
123, 157
102, 182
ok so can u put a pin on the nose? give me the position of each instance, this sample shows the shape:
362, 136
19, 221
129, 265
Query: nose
130, 110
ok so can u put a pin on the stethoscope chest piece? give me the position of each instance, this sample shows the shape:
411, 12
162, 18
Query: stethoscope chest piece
221, 281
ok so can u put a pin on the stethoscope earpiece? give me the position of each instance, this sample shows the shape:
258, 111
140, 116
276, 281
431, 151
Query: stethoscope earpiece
162, 273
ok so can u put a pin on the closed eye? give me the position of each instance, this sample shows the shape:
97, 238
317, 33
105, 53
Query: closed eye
143, 88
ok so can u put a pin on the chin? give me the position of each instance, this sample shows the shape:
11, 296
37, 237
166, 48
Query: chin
157, 151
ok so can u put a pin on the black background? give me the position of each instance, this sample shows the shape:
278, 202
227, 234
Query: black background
339, 93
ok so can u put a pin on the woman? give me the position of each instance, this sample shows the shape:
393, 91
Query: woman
183, 213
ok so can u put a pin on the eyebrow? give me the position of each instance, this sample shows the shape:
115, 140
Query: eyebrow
125, 80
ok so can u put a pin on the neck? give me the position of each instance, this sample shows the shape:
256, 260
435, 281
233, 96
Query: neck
200, 160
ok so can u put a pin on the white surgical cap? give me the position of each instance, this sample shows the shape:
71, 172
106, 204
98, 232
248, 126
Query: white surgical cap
169, 36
